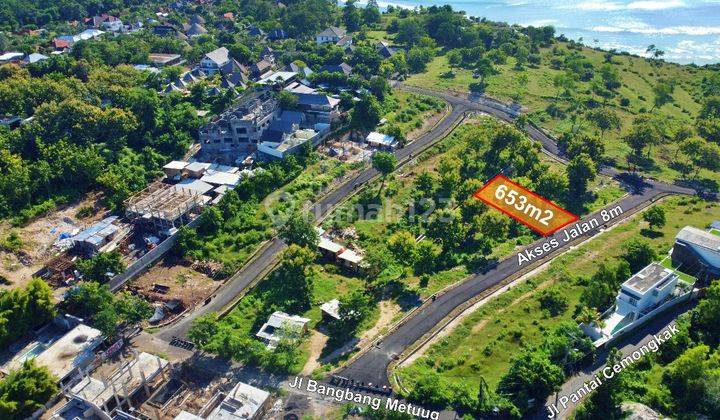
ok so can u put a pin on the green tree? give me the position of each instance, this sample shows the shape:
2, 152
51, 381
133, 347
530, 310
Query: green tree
417, 59
371, 13
102, 266
299, 231
297, 273
644, 133
353, 309
403, 247
366, 114
203, 329
655, 217
638, 253
708, 119
351, 16
605, 119
553, 301
132, 309
605, 402
410, 31
24, 391
427, 257
580, 172
662, 92
288, 100
384, 163
705, 320
531, 375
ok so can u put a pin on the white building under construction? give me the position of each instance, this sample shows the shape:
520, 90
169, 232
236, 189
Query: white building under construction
165, 207
112, 397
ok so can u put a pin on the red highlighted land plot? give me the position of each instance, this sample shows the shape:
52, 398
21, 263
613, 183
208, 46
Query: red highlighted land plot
538, 213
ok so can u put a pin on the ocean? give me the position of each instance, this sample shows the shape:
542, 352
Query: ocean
688, 31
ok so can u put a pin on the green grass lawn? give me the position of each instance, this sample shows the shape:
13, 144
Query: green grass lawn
687, 278
485, 342
637, 75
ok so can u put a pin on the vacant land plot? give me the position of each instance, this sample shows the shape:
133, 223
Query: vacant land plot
177, 281
485, 342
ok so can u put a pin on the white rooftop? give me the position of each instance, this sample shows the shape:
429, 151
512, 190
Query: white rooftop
280, 320
648, 278
352, 256
331, 308
380, 139
700, 238
221, 178
11, 56
198, 166
242, 402
184, 415
73, 349
197, 185
329, 245
128, 377
176, 164
278, 76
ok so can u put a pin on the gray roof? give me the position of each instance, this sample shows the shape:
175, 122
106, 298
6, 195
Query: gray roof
343, 68
219, 56
648, 277
296, 117
699, 237
311, 99
333, 31
196, 29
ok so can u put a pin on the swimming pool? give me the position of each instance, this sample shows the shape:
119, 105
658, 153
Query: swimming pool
32, 352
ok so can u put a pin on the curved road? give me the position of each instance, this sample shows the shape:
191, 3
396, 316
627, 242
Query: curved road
371, 367
269, 254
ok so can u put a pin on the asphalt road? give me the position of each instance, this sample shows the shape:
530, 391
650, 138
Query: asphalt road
268, 256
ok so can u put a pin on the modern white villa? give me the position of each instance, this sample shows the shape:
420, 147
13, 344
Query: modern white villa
641, 294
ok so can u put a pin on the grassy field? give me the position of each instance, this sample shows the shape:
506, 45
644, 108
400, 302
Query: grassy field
411, 111
487, 339
637, 75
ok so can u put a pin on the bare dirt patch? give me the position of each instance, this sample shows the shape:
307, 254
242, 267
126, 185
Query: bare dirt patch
318, 341
38, 237
181, 280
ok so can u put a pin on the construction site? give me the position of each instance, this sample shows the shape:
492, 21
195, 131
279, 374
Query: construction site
164, 207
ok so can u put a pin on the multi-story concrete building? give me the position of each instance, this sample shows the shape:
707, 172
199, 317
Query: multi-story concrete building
237, 131
215, 60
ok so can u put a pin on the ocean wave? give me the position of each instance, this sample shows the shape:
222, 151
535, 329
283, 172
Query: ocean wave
671, 30
656, 5
612, 6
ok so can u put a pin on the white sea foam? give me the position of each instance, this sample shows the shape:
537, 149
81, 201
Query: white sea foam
656, 5
611, 6
670, 30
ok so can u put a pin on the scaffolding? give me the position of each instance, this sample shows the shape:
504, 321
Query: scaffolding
163, 206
